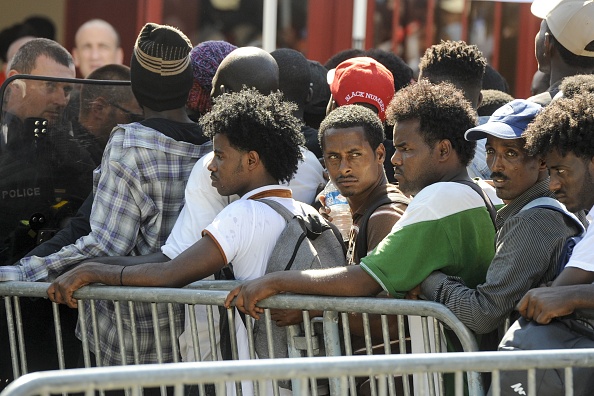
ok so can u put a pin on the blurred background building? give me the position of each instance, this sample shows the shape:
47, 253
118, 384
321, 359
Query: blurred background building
503, 30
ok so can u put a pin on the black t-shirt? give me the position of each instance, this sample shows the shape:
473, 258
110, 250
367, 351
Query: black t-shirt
189, 132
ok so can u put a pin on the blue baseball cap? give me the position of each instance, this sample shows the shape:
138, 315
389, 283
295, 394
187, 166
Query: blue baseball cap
507, 122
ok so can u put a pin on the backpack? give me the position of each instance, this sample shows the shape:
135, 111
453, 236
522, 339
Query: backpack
394, 196
561, 333
570, 242
306, 243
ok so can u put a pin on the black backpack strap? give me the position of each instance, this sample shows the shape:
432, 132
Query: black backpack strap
361, 242
484, 196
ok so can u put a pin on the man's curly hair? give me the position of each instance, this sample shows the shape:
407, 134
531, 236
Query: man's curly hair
566, 125
442, 111
576, 84
461, 63
265, 124
350, 116
492, 100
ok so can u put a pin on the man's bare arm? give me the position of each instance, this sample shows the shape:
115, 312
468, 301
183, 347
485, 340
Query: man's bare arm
157, 257
199, 261
343, 281
574, 276
543, 304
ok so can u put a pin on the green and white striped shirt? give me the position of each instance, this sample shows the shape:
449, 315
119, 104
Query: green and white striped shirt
446, 227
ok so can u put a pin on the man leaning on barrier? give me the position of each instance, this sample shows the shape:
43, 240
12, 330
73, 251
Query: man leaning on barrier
446, 226
529, 241
563, 134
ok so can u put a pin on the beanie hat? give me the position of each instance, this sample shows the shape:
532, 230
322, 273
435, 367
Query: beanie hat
362, 80
570, 21
160, 71
205, 58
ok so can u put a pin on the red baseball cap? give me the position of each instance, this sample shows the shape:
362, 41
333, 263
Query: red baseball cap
362, 79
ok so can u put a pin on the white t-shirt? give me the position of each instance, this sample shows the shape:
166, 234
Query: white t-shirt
583, 254
246, 233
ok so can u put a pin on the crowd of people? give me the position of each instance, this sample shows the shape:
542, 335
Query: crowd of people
171, 169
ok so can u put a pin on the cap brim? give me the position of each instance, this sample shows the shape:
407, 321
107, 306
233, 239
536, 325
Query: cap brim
497, 129
542, 8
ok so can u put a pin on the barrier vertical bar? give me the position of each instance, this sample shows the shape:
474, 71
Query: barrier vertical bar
20, 334
332, 346
11, 338
58, 332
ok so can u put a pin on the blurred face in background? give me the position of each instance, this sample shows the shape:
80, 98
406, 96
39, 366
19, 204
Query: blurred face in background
96, 45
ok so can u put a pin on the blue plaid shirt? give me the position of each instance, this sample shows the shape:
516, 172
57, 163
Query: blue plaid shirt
139, 191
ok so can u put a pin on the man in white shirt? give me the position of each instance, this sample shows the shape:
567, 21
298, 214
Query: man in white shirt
563, 133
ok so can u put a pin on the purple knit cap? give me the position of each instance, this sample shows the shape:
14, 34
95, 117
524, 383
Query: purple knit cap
205, 59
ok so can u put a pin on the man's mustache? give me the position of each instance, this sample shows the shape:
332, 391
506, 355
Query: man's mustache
498, 176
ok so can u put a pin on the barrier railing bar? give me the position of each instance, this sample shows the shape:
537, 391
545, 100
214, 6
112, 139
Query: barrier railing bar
320, 367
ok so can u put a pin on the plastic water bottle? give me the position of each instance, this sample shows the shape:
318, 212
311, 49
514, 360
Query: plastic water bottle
340, 210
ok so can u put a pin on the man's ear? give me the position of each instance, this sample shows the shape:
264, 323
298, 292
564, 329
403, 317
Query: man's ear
309, 93
221, 89
380, 151
331, 105
549, 46
253, 159
21, 85
444, 149
75, 57
119, 56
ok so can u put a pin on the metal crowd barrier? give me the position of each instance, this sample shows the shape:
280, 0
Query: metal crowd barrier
329, 335
177, 375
